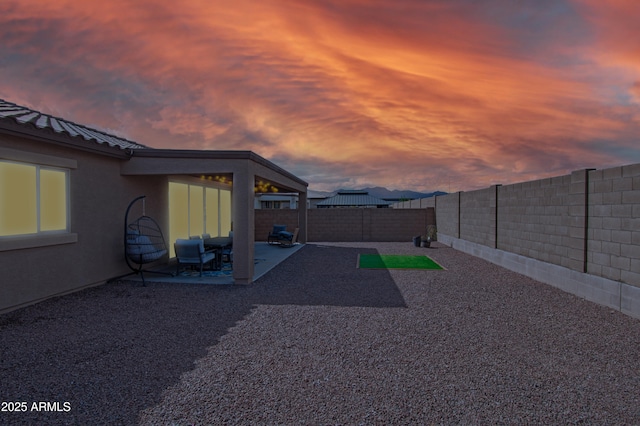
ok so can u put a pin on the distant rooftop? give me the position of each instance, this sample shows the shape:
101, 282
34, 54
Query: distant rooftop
352, 198
28, 117
352, 192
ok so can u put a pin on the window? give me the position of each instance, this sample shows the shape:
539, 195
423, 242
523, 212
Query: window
271, 205
34, 199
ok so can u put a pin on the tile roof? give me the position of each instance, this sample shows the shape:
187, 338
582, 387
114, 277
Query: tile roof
353, 192
26, 116
346, 198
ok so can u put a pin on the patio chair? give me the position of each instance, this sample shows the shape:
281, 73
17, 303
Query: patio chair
141, 250
274, 235
287, 239
191, 252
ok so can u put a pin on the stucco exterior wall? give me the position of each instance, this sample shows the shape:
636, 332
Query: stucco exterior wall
99, 196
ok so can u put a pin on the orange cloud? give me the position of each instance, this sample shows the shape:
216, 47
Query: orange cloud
617, 45
378, 93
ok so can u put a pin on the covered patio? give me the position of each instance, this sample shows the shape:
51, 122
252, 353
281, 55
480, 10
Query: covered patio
266, 257
245, 173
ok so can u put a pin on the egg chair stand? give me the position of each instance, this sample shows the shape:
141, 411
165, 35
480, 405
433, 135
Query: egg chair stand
143, 241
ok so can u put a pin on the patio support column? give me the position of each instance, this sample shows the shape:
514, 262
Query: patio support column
302, 217
243, 225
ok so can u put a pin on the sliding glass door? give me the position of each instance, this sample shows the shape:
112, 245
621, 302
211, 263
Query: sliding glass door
195, 209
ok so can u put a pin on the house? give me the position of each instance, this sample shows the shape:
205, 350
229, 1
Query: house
352, 198
315, 197
276, 201
65, 187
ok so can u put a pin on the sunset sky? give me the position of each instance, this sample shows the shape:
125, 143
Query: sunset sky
407, 94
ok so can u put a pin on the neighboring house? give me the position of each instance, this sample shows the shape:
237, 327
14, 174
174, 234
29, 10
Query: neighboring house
276, 201
314, 197
313, 202
64, 190
352, 198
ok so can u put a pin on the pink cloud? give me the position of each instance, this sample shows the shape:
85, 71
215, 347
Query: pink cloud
372, 91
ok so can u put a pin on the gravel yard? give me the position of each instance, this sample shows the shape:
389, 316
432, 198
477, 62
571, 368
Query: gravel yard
317, 341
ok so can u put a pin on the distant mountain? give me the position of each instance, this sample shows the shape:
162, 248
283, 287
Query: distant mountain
381, 192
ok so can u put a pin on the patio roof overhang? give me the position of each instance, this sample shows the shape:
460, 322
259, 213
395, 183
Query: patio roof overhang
196, 162
245, 167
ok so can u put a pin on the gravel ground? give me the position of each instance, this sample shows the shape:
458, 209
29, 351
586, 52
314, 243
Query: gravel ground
317, 341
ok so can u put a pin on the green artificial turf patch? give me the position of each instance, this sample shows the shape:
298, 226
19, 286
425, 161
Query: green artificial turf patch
392, 261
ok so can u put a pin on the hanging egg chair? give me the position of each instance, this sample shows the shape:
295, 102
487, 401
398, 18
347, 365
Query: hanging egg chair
143, 241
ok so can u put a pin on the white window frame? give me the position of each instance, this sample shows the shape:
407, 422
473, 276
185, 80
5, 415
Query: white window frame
41, 238
193, 181
273, 205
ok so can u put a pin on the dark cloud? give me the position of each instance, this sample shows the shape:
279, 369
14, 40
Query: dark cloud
437, 94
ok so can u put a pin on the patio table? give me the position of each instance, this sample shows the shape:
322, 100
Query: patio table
217, 244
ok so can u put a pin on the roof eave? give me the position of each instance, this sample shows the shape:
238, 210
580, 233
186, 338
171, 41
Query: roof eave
11, 127
217, 155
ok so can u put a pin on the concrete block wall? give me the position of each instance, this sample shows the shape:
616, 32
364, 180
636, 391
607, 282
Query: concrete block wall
348, 224
266, 218
478, 216
335, 224
613, 245
544, 219
397, 225
587, 221
420, 203
431, 216
448, 214
578, 232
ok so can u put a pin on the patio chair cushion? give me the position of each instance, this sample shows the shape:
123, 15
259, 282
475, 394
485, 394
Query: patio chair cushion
192, 251
278, 228
284, 235
288, 239
274, 235
140, 248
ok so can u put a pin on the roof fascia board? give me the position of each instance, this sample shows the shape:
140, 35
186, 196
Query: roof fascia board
285, 181
193, 153
265, 169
